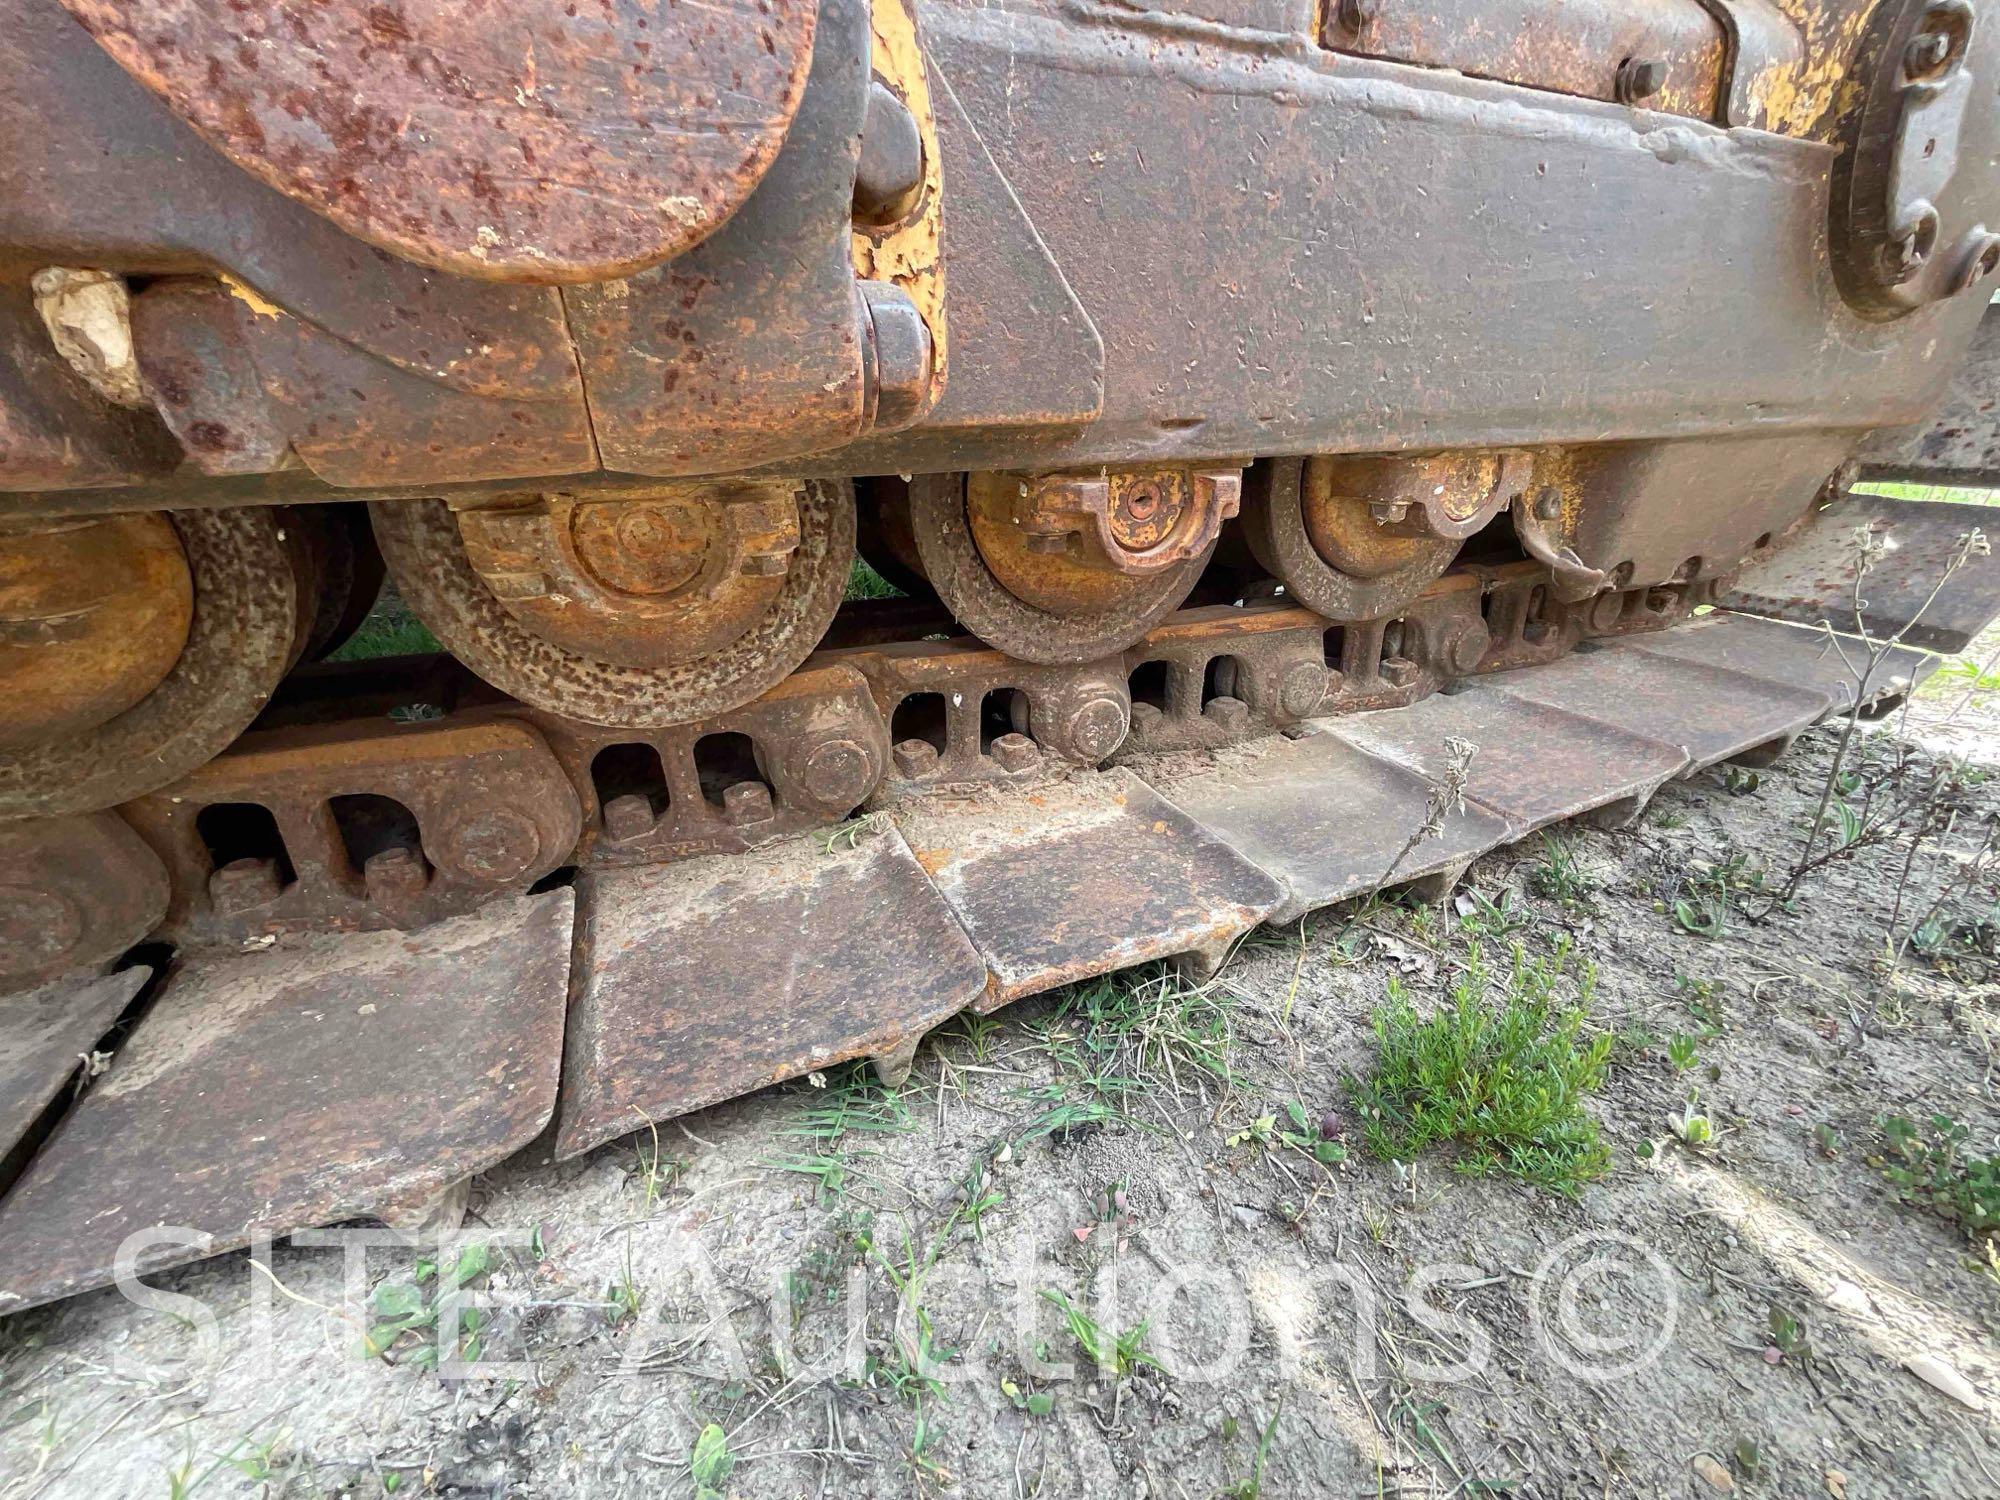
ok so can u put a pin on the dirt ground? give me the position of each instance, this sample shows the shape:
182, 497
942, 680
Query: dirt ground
825, 1289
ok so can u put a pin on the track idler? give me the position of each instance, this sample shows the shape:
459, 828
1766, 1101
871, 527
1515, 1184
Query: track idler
1357, 538
649, 611
1067, 567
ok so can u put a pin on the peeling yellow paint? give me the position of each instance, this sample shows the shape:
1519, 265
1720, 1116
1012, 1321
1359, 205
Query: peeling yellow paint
250, 298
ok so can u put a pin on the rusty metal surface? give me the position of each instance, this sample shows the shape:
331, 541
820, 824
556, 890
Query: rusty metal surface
93, 614
238, 645
45, 1034
1598, 49
705, 980
426, 555
486, 139
1795, 655
1326, 548
359, 421
342, 1077
815, 748
1077, 714
1647, 513
1327, 820
1912, 192
1709, 713
74, 892
125, 184
480, 809
1642, 296
1077, 878
1811, 578
750, 347
1959, 443
1530, 764
973, 585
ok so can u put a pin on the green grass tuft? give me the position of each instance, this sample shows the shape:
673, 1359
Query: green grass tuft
863, 582
1500, 1071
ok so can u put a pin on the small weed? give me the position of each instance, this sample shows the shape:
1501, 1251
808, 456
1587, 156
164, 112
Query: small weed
853, 1099
1739, 782
622, 1298
710, 1463
406, 1313
1034, 1403
1559, 876
1298, 1133
1935, 1170
1142, 1025
1682, 1051
1788, 1338
1117, 1357
1828, 1138
1503, 1077
1481, 915
1690, 1126
863, 582
1253, 1487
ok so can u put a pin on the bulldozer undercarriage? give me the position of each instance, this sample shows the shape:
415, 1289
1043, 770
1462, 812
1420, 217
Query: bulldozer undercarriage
1313, 446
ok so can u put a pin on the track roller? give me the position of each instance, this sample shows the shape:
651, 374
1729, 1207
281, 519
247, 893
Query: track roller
1357, 538
1071, 567
134, 648
645, 612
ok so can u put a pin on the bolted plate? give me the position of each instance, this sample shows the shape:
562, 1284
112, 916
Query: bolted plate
1533, 765
1081, 876
699, 981
1709, 712
1811, 579
45, 1034
362, 1074
1796, 656
1328, 820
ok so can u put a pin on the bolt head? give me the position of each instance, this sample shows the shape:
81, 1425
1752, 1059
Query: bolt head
38, 926
1016, 753
628, 817
1098, 727
747, 802
1302, 689
1639, 78
915, 758
1926, 53
393, 875
242, 884
492, 845
1399, 672
1468, 647
1230, 714
839, 773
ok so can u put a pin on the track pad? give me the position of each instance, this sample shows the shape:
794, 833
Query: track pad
1083, 876
700, 981
1330, 821
357, 1075
44, 1035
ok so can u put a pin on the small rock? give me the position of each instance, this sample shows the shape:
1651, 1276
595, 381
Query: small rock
1713, 1474
1846, 1297
1836, 1484
1247, 1216
1940, 1376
